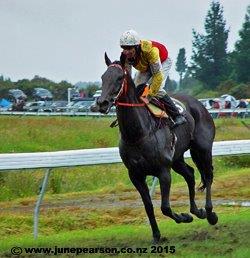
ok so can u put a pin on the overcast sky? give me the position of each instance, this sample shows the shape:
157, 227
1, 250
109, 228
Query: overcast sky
66, 39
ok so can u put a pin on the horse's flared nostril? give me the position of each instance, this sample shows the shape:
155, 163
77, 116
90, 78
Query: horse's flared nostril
105, 103
94, 108
104, 106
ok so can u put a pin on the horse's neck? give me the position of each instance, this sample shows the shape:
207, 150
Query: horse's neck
134, 122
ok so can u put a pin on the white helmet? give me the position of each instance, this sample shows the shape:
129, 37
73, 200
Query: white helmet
129, 38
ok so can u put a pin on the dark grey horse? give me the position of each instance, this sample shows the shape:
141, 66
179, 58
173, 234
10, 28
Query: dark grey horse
150, 147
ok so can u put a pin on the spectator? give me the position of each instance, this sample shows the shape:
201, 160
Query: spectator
227, 104
242, 104
216, 104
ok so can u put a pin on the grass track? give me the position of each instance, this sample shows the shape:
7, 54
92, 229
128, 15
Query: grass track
31, 134
229, 238
122, 226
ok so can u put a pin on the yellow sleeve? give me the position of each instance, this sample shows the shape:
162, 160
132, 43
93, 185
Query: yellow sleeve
156, 69
152, 56
155, 85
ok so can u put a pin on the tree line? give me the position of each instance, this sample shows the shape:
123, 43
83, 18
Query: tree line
59, 90
213, 69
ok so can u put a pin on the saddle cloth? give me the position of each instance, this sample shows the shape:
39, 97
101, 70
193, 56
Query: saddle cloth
157, 108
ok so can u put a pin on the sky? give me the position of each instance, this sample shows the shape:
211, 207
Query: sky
66, 39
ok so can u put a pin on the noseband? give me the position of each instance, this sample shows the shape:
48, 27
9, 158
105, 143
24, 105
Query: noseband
124, 90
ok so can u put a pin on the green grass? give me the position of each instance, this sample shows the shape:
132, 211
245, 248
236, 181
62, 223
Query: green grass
108, 178
121, 226
84, 209
31, 134
232, 129
229, 238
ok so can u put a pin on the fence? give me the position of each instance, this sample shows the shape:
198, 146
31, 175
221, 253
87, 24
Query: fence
215, 113
72, 158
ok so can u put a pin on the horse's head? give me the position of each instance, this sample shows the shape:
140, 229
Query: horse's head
112, 82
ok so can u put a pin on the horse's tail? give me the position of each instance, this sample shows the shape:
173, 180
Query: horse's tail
203, 161
202, 140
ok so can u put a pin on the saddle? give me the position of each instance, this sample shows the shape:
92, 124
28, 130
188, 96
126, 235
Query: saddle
157, 108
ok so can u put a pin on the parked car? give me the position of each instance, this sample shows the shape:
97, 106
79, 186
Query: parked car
41, 94
59, 106
38, 106
81, 106
15, 94
97, 94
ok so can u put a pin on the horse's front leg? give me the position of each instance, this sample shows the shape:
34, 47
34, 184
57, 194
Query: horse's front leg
139, 182
165, 183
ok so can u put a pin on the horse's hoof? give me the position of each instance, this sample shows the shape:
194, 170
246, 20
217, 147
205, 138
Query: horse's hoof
156, 238
201, 214
212, 218
178, 220
186, 218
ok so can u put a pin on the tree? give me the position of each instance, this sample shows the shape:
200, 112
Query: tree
60, 90
181, 65
91, 89
5, 86
170, 85
242, 52
209, 58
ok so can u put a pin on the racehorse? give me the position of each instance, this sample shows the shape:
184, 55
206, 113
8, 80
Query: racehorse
148, 146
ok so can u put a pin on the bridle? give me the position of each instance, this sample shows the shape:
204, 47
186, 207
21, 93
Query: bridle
124, 89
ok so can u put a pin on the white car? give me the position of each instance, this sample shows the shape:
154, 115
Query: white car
97, 94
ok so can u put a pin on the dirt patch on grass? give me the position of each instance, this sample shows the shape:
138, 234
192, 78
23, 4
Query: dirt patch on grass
226, 189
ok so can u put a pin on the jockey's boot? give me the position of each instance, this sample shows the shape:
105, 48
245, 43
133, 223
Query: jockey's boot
173, 110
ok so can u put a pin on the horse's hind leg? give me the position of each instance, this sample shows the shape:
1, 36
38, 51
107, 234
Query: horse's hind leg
165, 183
140, 184
203, 160
187, 172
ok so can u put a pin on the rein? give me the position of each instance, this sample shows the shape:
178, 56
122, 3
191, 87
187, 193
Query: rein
124, 90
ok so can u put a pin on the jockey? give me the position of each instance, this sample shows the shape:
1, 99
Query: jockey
152, 63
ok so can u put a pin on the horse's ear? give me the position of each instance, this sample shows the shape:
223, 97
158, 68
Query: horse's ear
107, 60
123, 59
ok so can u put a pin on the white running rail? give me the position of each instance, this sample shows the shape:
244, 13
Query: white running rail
72, 158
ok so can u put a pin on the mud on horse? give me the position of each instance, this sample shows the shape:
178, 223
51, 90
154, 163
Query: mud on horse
147, 149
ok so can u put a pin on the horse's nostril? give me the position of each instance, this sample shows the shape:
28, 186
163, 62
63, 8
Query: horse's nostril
104, 106
105, 103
